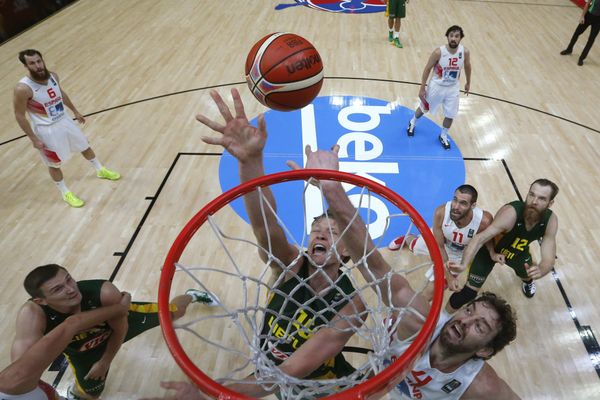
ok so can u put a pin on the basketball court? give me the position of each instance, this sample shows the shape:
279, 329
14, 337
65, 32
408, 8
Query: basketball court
141, 70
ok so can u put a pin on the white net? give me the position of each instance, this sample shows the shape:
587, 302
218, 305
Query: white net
268, 310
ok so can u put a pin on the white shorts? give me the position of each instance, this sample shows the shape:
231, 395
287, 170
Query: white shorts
60, 139
420, 248
447, 96
36, 394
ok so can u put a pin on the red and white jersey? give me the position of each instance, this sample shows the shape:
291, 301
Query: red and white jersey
43, 392
427, 383
447, 70
457, 238
46, 106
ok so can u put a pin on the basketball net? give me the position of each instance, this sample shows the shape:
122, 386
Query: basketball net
242, 312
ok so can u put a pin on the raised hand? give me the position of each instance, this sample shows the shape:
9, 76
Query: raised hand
319, 159
241, 139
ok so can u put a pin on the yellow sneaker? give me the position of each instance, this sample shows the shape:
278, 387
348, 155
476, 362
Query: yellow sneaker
105, 173
73, 200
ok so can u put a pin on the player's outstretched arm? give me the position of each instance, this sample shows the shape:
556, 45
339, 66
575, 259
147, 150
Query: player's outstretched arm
488, 385
547, 249
22, 375
505, 219
246, 143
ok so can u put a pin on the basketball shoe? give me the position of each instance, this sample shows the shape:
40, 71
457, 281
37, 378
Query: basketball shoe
390, 36
73, 200
444, 141
397, 43
398, 242
105, 173
410, 131
199, 296
528, 289
71, 394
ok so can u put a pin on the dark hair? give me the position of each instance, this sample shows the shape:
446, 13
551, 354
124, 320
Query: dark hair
508, 321
468, 189
28, 53
455, 28
36, 278
547, 182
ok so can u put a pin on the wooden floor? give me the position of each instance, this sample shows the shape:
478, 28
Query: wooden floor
531, 107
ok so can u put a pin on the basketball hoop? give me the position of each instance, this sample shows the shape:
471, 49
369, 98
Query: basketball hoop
375, 378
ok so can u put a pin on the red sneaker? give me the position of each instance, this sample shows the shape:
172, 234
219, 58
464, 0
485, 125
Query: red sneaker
396, 243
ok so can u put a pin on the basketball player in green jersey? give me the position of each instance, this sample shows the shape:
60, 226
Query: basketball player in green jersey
515, 226
21, 379
55, 296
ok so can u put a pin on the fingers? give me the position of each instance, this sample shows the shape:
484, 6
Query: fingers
336, 148
210, 123
293, 165
213, 140
237, 104
307, 150
262, 125
223, 108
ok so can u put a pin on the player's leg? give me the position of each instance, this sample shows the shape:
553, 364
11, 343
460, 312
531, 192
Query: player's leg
478, 272
407, 241
78, 142
400, 13
192, 296
528, 286
578, 31
450, 105
590, 42
390, 16
81, 364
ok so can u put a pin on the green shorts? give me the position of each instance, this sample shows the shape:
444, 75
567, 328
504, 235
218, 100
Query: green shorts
483, 264
396, 8
142, 316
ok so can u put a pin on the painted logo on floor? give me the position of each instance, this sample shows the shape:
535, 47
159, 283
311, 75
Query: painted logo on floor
373, 144
339, 6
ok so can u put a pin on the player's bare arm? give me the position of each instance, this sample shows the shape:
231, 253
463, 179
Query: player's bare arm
325, 344
467, 71
486, 221
68, 102
30, 327
438, 234
434, 58
488, 385
246, 143
547, 250
110, 295
21, 96
505, 219
22, 376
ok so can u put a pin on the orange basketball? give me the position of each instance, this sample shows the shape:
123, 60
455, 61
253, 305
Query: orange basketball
284, 71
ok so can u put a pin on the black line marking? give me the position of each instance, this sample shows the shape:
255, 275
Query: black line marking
332, 78
117, 253
585, 332
479, 159
149, 198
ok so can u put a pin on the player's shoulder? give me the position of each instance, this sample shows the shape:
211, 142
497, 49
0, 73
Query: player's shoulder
31, 312
487, 384
23, 90
54, 75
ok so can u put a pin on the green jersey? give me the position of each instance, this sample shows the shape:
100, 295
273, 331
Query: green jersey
516, 242
293, 314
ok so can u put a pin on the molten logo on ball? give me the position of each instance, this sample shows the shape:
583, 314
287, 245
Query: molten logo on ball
284, 71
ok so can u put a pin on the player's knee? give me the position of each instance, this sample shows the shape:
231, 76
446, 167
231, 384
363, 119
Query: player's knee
459, 299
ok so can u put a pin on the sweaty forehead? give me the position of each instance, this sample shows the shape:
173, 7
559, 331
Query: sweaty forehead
489, 313
540, 190
58, 279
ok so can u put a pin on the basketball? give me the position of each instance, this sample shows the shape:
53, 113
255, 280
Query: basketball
284, 71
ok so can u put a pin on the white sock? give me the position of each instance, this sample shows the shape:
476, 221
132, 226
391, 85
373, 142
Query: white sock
96, 164
390, 30
444, 133
413, 120
396, 34
62, 187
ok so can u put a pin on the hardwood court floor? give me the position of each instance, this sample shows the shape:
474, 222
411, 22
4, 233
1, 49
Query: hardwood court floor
529, 107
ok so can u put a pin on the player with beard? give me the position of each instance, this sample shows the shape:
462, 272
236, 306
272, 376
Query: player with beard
453, 366
454, 225
515, 226
51, 131
443, 88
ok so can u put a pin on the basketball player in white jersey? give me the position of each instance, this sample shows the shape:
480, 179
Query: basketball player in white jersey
453, 366
52, 132
21, 379
443, 88
454, 225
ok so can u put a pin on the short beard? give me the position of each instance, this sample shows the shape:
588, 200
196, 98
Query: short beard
453, 46
40, 76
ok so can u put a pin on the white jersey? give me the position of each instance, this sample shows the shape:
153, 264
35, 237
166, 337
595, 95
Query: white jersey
447, 70
46, 106
427, 383
42, 392
455, 238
